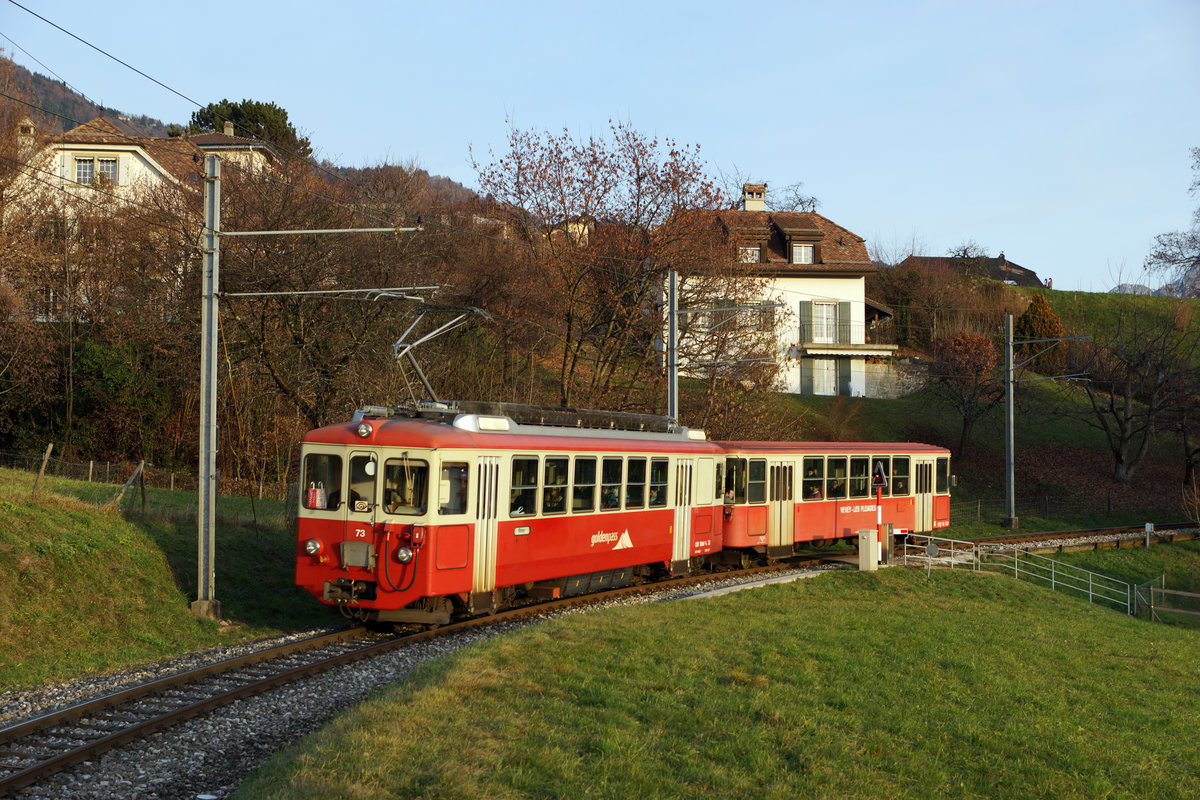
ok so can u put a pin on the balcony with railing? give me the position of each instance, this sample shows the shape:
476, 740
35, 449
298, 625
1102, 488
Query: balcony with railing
844, 338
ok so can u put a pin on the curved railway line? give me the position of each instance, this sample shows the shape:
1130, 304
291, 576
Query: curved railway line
36, 748
39, 747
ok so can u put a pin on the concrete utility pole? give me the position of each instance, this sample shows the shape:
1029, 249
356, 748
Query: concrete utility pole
673, 348
206, 604
1010, 496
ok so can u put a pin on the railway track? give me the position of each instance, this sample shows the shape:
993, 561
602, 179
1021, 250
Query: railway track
36, 748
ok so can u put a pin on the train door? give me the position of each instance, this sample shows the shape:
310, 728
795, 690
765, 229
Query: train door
923, 496
682, 530
358, 545
486, 524
782, 522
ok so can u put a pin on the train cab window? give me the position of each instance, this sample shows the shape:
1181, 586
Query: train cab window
735, 480
405, 486
860, 477
635, 483
882, 464
522, 499
719, 488
813, 482
899, 476
658, 483
554, 488
610, 484
583, 491
756, 480
836, 479
322, 481
362, 483
943, 476
452, 491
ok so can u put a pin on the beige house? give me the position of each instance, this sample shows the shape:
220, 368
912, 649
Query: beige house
815, 270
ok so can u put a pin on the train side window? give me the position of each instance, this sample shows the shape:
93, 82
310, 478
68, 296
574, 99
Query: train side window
943, 475
522, 499
452, 490
882, 464
860, 477
362, 483
405, 485
812, 485
635, 483
583, 496
658, 483
899, 476
836, 478
554, 493
322, 481
756, 480
610, 483
735, 480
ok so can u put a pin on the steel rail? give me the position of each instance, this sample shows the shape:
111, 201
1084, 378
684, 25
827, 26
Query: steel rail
59, 763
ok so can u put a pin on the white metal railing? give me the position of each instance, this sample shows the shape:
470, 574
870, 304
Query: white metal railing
934, 551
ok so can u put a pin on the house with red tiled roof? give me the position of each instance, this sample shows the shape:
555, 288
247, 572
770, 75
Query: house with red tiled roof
105, 153
815, 271
997, 268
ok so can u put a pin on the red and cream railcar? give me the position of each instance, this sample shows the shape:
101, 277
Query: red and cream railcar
780, 494
406, 519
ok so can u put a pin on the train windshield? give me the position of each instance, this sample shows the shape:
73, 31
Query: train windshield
405, 486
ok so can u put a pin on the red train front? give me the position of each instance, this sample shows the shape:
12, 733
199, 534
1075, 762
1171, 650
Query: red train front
408, 519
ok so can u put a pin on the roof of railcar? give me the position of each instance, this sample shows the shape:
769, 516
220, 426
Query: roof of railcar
421, 433
866, 448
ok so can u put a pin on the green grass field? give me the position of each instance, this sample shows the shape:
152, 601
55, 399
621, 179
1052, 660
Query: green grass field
84, 590
851, 685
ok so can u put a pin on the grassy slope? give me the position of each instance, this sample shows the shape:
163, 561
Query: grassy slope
850, 685
84, 590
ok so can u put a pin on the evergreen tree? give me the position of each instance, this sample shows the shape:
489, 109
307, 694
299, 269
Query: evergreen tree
255, 120
1040, 322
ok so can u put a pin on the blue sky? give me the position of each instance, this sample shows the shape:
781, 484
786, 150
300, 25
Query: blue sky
1058, 132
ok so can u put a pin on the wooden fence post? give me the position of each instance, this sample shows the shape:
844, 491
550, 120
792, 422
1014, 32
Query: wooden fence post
42, 471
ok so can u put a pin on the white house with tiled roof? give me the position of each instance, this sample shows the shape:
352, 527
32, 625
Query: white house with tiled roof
815, 270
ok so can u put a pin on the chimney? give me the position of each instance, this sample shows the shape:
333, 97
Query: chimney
754, 197
228, 128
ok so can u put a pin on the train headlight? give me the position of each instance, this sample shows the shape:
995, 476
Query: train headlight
363, 430
404, 554
313, 547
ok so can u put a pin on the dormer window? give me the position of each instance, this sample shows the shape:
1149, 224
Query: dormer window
748, 255
802, 254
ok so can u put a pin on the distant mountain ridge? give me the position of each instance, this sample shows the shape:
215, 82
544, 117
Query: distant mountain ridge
62, 108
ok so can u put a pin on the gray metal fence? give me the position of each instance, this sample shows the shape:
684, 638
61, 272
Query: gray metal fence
937, 552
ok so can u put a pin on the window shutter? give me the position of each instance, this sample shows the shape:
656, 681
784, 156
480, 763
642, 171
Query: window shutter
806, 376
844, 372
123, 170
843, 323
806, 331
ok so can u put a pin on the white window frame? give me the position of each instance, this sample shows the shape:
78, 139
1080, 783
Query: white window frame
824, 322
104, 175
825, 376
90, 161
748, 255
803, 253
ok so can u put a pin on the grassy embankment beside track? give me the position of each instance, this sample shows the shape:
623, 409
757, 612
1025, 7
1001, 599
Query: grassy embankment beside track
84, 590
851, 685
